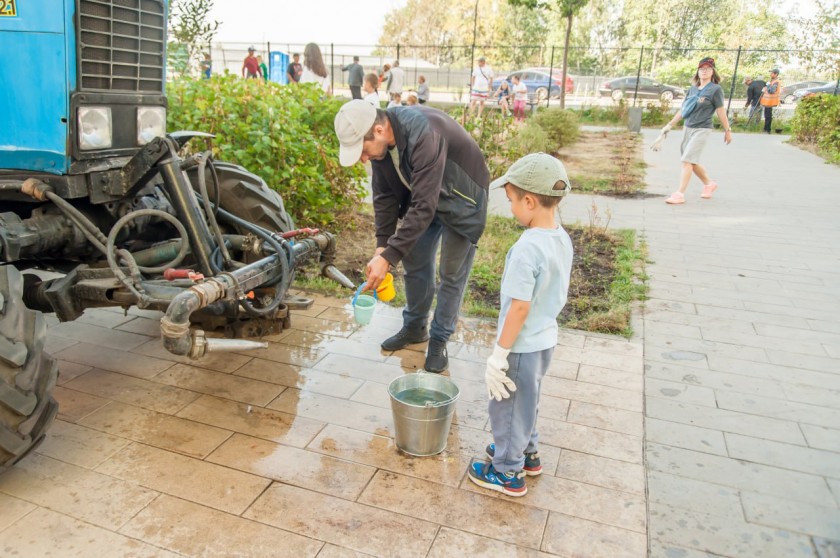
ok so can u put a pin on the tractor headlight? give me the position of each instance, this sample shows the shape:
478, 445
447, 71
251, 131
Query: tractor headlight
151, 124
95, 128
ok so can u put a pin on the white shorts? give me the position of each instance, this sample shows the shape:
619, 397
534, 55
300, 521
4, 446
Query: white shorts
693, 143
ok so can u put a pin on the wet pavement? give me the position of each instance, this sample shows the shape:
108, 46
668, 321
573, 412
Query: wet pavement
713, 432
289, 451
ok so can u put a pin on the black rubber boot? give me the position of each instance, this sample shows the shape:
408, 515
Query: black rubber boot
405, 337
437, 359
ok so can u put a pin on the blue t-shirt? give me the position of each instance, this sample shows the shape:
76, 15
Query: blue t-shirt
710, 99
537, 269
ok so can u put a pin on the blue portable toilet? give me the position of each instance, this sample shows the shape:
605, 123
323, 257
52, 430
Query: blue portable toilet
278, 62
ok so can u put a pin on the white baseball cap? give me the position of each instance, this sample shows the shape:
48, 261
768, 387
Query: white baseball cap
352, 122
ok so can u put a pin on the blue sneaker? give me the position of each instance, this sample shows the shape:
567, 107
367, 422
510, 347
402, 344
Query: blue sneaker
532, 467
512, 484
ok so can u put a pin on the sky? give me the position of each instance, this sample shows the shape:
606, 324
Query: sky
341, 22
346, 22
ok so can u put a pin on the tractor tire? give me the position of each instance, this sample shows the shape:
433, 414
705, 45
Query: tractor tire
27, 373
247, 196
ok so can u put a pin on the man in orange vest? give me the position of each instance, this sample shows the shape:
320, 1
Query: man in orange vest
770, 97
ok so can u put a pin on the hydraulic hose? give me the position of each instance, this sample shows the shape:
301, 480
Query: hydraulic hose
284, 256
203, 161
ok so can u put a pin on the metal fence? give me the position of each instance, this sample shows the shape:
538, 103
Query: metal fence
448, 68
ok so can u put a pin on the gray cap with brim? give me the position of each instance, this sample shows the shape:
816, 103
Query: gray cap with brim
536, 173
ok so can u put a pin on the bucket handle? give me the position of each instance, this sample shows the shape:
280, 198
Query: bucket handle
359, 290
430, 404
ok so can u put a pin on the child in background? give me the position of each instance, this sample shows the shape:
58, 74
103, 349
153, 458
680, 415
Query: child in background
504, 93
422, 90
370, 89
520, 96
535, 284
411, 99
396, 100
263, 68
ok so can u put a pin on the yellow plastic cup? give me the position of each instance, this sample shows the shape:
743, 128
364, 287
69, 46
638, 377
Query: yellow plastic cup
386, 289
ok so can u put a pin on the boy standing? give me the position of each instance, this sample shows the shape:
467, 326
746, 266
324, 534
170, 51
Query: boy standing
369, 86
534, 287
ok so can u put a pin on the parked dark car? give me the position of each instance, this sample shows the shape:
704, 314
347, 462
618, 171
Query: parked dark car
648, 89
536, 80
788, 91
831, 88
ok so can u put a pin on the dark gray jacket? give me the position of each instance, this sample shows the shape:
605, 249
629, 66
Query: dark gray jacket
447, 175
357, 74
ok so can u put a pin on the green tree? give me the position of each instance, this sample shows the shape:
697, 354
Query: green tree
819, 38
190, 33
567, 9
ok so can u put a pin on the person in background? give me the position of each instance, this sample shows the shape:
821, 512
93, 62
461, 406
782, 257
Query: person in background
263, 68
396, 100
504, 94
384, 74
250, 66
294, 69
371, 89
534, 289
314, 70
355, 77
698, 128
422, 90
411, 99
396, 82
771, 97
520, 97
754, 89
429, 189
206, 66
481, 82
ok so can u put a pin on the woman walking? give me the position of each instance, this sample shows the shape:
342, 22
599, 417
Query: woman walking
704, 99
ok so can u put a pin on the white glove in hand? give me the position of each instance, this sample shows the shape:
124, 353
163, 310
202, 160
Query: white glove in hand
495, 376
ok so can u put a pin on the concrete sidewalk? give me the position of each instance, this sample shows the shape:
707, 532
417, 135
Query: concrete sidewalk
742, 351
714, 432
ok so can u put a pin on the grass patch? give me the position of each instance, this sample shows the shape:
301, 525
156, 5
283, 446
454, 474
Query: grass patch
608, 163
607, 272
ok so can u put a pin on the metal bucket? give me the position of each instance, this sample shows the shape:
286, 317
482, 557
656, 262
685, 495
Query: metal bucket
422, 428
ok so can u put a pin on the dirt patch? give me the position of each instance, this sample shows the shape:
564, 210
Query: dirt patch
590, 304
607, 162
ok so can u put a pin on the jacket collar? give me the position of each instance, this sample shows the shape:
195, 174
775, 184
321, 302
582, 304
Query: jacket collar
396, 127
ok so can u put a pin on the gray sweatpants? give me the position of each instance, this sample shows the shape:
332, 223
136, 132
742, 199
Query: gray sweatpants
513, 421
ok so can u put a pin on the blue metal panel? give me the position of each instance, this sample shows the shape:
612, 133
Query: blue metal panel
34, 97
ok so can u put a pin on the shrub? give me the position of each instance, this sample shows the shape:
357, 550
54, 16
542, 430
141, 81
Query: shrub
560, 126
657, 114
531, 138
817, 121
283, 134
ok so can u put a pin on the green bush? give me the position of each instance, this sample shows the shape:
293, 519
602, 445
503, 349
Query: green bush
657, 114
283, 134
531, 138
560, 126
817, 121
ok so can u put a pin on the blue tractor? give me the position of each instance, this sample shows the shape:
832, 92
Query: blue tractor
99, 208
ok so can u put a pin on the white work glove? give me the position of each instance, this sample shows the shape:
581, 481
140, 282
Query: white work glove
495, 375
657, 143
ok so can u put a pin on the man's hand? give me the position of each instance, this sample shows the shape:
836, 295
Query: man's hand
495, 376
376, 270
666, 128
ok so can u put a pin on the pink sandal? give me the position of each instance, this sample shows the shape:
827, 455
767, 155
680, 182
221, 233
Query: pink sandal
676, 197
708, 189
